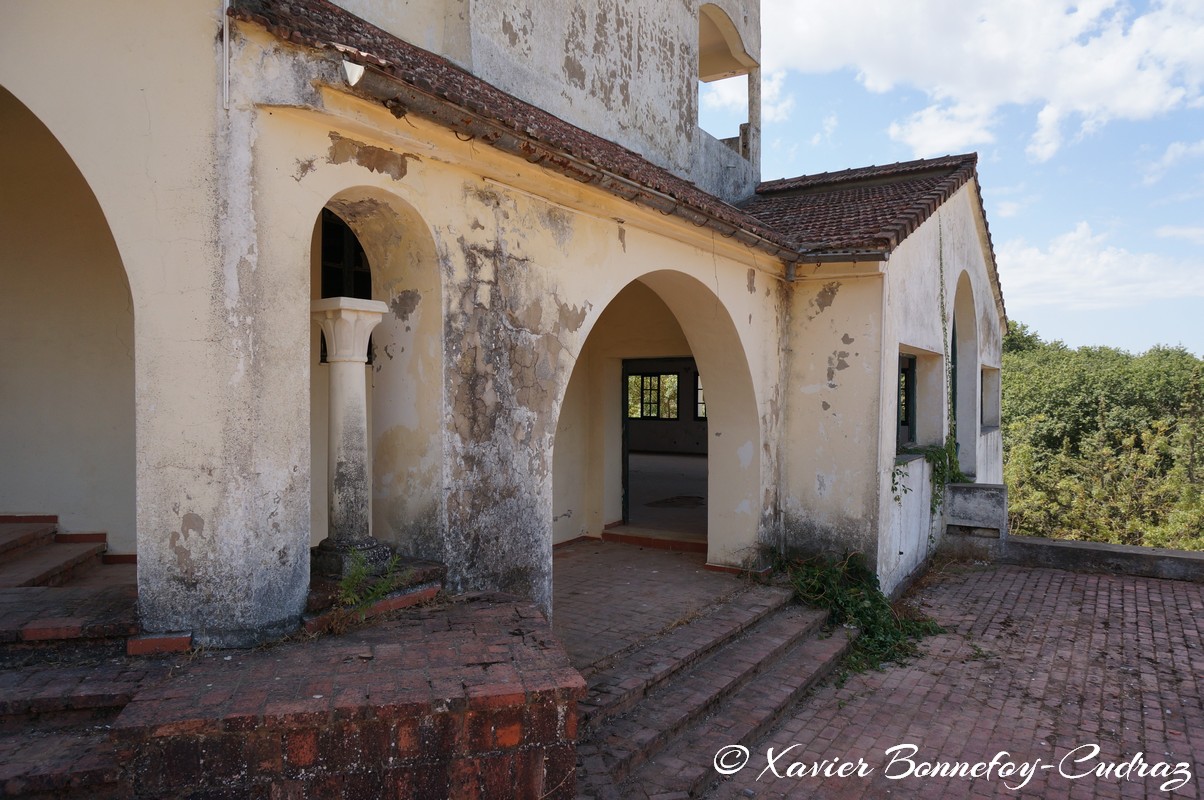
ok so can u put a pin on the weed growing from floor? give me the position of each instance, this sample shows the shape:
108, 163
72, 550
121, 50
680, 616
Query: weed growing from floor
849, 589
361, 588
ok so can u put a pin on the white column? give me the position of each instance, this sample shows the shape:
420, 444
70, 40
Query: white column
347, 322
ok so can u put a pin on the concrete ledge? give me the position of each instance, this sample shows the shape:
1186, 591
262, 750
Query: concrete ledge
1146, 562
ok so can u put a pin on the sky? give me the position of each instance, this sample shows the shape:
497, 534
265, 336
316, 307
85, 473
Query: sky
1087, 117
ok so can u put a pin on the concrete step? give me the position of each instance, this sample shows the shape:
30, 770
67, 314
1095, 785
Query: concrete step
629, 740
686, 767
21, 537
51, 565
619, 686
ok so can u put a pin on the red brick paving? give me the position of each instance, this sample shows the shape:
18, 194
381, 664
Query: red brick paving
1034, 662
607, 596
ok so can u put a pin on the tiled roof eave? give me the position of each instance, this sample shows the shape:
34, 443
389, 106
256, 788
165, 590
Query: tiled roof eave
404, 91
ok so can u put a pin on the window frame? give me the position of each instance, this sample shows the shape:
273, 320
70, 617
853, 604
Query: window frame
655, 402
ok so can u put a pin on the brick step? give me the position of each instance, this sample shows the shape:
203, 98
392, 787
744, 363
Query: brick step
52, 565
78, 763
686, 767
39, 697
20, 537
627, 741
616, 688
38, 623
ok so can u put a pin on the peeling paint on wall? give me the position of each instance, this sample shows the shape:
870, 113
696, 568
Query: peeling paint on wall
404, 304
376, 159
836, 362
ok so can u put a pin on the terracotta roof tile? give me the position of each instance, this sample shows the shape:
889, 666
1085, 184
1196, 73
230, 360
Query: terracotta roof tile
864, 209
867, 211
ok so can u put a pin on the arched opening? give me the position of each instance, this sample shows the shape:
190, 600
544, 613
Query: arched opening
727, 77
372, 244
67, 327
964, 375
663, 324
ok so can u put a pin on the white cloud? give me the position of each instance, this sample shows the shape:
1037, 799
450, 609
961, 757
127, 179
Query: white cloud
1078, 63
1080, 270
1008, 208
1191, 234
937, 130
1175, 152
775, 106
729, 94
827, 128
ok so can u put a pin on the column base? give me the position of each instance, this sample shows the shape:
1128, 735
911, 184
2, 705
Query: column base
337, 559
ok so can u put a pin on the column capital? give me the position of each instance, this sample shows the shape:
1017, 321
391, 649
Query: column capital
347, 323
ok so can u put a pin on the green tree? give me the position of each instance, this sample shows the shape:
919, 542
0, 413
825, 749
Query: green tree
1101, 444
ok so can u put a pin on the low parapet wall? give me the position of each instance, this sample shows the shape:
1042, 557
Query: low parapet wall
472, 699
1146, 562
976, 521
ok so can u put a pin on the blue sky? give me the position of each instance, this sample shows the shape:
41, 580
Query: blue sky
1088, 119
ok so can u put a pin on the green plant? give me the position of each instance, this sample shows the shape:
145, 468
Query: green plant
362, 585
897, 487
849, 589
361, 588
942, 458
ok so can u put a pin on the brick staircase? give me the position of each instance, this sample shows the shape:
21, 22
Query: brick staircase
34, 553
57, 593
72, 657
657, 714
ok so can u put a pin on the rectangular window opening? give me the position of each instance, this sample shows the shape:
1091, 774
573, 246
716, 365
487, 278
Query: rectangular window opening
652, 396
907, 401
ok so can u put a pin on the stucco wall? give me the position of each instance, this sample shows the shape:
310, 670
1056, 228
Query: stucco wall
626, 70
830, 497
221, 499
526, 263
67, 327
588, 480
955, 236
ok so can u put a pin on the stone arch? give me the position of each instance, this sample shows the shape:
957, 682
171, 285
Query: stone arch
964, 354
587, 481
67, 323
405, 378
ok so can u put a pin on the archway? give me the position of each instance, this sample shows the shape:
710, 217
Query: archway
964, 377
663, 314
67, 323
373, 244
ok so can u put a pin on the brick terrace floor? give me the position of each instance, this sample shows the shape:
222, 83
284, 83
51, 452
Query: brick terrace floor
606, 596
1034, 662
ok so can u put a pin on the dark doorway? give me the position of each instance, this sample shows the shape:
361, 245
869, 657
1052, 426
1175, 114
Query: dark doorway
664, 451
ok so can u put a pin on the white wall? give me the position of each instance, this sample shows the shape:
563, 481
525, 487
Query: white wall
67, 334
955, 235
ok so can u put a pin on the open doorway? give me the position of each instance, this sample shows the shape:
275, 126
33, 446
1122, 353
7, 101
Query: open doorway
664, 452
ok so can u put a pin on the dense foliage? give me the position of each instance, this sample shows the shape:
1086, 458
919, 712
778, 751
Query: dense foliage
1103, 445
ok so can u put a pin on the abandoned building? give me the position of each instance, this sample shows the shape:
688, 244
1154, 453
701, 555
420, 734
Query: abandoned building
477, 260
